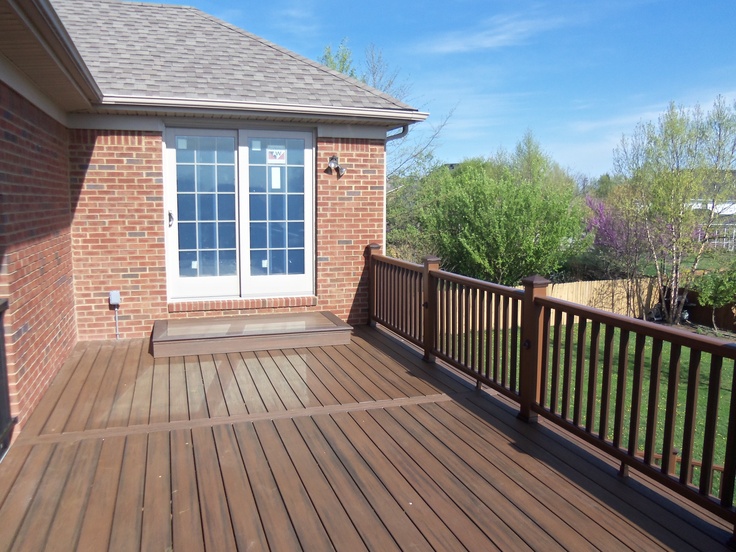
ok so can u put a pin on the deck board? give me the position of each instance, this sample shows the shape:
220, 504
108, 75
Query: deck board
249, 533
346, 447
127, 523
186, 514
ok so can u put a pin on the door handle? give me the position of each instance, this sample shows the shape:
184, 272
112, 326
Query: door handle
171, 219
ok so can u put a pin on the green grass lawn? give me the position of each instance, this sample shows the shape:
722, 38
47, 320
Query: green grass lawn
725, 387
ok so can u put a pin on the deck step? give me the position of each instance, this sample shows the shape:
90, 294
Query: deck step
254, 332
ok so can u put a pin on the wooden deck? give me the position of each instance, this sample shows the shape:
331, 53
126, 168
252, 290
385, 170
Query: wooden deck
352, 447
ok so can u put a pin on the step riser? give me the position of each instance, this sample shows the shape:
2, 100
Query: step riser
195, 337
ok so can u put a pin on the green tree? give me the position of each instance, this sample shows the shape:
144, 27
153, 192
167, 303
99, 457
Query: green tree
679, 172
500, 219
340, 60
716, 289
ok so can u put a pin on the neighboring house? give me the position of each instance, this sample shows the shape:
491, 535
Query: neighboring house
160, 152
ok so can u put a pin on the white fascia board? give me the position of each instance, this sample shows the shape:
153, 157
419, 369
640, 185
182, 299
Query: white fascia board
352, 131
159, 124
18, 81
283, 109
116, 122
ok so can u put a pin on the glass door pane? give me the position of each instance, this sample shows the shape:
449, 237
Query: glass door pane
276, 206
205, 196
202, 203
277, 170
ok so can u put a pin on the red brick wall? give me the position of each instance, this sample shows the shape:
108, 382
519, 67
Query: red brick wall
350, 216
118, 236
35, 248
119, 241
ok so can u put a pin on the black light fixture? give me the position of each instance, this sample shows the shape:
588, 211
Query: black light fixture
334, 165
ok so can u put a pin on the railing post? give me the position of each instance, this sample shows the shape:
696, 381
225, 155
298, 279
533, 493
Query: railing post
430, 306
530, 369
372, 249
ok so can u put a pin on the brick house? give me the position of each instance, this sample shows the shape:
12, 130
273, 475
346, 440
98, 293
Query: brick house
160, 152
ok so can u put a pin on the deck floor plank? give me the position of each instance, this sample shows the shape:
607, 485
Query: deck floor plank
57, 419
266, 391
347, 447
12, 465
157, 494
140, 408
393, 516
345, 378
376, 388
88, 393
304, 517
412, 382
35, 424
321, 373
510, 501
100, 413
299, 384
178, 395
290, 398
186, 515
217, 528
160, 392
323, 394
541, 501
126, 528
19, 498
196, 396
234, 402
216, 403
479, 526
121, 406
248, 389
630, 498
586, 477
277, 525
243, 511
423, 511
32, 533
372, 530
337, 522
549, 487
388, 380
94, 533
446, 381
67, 522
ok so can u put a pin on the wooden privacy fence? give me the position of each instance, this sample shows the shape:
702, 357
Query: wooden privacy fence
658, 399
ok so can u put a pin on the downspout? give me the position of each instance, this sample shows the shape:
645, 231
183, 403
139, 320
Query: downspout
404, 132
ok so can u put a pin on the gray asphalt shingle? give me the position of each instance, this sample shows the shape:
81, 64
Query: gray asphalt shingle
165, 51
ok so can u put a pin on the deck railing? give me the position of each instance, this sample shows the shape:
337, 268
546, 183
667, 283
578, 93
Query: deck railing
658, 399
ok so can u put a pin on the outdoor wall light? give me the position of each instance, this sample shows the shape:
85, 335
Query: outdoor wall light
334, 165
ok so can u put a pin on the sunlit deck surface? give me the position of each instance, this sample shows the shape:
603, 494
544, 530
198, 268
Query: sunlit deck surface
351, 447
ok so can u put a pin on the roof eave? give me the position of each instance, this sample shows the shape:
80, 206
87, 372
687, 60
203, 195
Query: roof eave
393, 117
41, 19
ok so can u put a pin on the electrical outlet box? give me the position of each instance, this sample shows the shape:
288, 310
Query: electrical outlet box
115, 298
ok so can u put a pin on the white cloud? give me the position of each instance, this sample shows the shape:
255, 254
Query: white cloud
493, 33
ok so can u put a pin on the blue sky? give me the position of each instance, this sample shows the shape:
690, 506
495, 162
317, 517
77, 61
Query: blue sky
577, 73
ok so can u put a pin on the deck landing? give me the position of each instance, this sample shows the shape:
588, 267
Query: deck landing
237, 334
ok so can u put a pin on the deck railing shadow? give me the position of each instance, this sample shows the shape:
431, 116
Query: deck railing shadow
657, 399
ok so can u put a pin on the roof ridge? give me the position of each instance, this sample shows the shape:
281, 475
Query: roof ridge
319, 66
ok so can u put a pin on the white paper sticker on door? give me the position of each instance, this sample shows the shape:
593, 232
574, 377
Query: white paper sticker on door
276, 156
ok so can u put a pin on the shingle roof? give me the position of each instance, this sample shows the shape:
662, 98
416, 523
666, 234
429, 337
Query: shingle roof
175, 52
